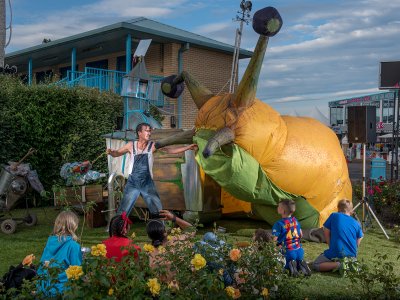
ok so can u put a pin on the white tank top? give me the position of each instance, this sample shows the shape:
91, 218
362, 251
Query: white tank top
134, 151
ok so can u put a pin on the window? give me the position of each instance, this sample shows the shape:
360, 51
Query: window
44, 76
336, 115
387, 111
121, 63
99, 64
64, 70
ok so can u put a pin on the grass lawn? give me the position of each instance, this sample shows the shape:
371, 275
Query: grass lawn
26, 240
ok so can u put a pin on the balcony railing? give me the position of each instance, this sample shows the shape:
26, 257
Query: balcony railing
117, 82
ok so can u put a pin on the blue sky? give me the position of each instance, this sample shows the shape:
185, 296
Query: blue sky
326, 50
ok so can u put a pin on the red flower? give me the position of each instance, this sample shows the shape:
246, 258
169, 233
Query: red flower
370, 191
377, 189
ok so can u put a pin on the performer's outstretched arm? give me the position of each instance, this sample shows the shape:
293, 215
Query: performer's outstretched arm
120, 151
177, 150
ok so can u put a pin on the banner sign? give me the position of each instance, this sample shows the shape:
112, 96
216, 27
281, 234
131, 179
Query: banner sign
363, 99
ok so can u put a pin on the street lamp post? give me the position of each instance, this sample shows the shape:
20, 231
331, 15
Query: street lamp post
243, 17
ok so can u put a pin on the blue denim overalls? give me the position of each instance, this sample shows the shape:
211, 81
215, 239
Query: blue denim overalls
140, 182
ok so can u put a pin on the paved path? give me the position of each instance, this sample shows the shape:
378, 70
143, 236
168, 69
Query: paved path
356, 169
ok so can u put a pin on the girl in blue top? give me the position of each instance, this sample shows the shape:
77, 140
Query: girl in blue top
61, 251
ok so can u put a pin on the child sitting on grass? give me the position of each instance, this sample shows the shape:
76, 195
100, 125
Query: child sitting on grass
61, 251
343, 234
118, 243
287, 232
156, 231
262, 236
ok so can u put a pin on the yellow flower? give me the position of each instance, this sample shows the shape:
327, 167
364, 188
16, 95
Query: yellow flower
169, 238
110, 292
232, 292
221, 272
161, 249
265, 292
74, 272
99, 250
235, 254
154, 286
173, 286
133, 235
198, 262
176, 231
148, 248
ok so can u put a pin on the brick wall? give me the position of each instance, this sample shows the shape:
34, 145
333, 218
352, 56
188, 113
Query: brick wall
212, 69
170, 66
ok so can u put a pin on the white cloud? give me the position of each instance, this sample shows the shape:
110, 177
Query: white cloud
303, 27
129, 8
59, 24
325, 96
211, 28
325, 50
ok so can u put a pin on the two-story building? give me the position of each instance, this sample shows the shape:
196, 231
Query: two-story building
100, 58
384, 103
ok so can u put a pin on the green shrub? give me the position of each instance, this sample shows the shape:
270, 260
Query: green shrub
377, 281
63, 124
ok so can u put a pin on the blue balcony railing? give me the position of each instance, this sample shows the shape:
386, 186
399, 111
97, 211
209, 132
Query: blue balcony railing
119, 83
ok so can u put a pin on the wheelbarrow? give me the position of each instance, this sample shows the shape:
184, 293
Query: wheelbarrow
12, 189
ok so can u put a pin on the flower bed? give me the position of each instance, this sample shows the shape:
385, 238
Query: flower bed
185, 270
256, 272
384, 197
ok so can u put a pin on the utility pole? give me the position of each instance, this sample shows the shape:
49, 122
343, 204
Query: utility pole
2, 31
243, 17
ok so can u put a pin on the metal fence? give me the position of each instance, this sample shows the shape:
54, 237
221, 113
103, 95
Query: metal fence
117, 82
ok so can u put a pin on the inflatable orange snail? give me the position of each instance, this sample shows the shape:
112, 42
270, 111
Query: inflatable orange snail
258, 155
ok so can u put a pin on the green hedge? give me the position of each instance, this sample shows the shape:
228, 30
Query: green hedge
63, 124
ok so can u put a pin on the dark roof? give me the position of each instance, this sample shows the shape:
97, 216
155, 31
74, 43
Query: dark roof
179, 35
105, 38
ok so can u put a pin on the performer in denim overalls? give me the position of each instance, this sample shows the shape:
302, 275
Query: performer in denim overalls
140, 181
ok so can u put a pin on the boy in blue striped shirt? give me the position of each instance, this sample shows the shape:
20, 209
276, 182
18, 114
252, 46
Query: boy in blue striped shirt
287, 232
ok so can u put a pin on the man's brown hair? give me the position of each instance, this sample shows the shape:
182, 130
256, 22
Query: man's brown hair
140, 126
288, 205
345, 206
